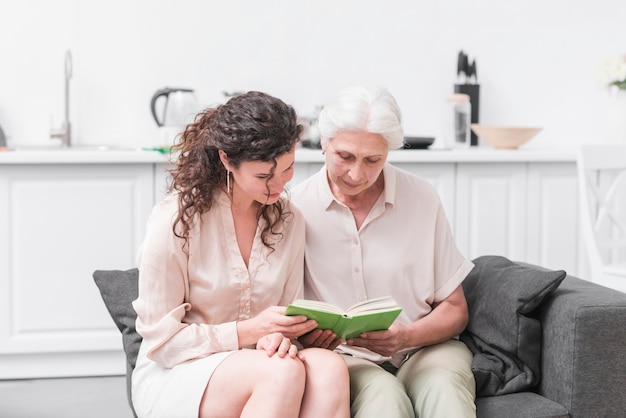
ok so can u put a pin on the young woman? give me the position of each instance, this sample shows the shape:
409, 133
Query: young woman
223, 254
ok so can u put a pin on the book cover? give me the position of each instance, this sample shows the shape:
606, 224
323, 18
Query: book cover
370, 315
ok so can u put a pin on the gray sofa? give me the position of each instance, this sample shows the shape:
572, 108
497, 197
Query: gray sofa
581, 344
583, 358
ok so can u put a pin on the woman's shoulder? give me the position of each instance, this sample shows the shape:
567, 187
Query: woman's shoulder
412, 189
295, 218
292, 208
160, 221
167, 206
308, 192
165, 212
407, 179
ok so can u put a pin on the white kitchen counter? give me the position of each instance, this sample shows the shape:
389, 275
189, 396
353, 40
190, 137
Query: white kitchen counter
477, 155
81, 156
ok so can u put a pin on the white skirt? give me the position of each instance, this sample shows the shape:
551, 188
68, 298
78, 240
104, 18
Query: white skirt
175, 392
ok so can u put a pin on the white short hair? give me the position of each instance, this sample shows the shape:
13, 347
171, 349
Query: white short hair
363, 108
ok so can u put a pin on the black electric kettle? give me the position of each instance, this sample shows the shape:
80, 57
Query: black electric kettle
177, 104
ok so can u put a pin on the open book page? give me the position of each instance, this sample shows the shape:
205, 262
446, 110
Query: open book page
376, 304
372, 315
318, 305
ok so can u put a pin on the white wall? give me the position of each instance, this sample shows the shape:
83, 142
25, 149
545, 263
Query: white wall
536, 59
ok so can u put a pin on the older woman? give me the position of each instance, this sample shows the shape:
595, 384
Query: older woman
375, 230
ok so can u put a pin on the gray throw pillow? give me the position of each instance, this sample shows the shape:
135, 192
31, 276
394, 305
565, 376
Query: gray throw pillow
504, 333
118, 289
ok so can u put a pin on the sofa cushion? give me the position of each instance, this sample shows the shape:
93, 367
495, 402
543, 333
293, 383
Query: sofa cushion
503, 332
519, 405
118, 289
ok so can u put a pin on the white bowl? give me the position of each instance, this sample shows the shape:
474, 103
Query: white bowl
504, 137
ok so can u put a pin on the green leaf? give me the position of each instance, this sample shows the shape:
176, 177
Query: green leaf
619, 84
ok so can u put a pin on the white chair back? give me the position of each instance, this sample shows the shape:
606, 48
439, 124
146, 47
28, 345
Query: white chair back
602, 187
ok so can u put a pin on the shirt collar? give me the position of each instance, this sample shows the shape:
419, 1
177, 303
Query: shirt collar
327, 197
390, 183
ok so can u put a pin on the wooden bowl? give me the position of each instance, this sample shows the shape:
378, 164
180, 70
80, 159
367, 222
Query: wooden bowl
504, 137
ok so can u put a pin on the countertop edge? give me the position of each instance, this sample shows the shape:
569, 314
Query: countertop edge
303, 155
83, 157
472, 155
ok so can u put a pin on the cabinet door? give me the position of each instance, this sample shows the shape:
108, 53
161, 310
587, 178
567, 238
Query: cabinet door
59, 223
491, 209
553, 228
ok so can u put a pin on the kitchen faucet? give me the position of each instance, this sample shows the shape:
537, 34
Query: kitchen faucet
65, 133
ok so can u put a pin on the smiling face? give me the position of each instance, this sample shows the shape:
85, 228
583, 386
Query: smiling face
260, 181
354, 161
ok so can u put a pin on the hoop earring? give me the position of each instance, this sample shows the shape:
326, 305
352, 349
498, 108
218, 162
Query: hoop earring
228, 181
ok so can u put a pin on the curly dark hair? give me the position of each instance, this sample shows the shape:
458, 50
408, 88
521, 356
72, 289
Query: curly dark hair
252, 126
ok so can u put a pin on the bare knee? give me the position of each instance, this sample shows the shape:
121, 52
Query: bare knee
327, 389
250, 381
287, 372
326, 367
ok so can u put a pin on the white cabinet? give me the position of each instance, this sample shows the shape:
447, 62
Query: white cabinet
61, 219
491, 209
553, 233
59, 223
525, 211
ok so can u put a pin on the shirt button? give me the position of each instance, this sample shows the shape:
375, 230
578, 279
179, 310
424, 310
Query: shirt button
356, 241
356, 270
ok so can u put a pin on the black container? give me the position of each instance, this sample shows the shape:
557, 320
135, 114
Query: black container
3, 139
418, 142
473, 91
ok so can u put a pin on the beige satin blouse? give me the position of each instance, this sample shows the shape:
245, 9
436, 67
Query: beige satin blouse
189, 304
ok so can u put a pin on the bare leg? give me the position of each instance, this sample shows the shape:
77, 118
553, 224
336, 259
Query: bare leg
251, 384
327, 389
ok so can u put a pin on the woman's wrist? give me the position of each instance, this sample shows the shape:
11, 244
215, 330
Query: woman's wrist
247, 333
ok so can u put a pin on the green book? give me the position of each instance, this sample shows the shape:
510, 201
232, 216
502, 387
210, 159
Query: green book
370, 315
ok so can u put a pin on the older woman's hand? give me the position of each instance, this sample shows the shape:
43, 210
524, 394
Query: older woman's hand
322, 338
385, 343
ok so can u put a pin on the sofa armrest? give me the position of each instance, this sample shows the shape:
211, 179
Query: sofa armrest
584, 349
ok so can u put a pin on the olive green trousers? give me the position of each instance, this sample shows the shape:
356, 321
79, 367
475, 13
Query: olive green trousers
436, 381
